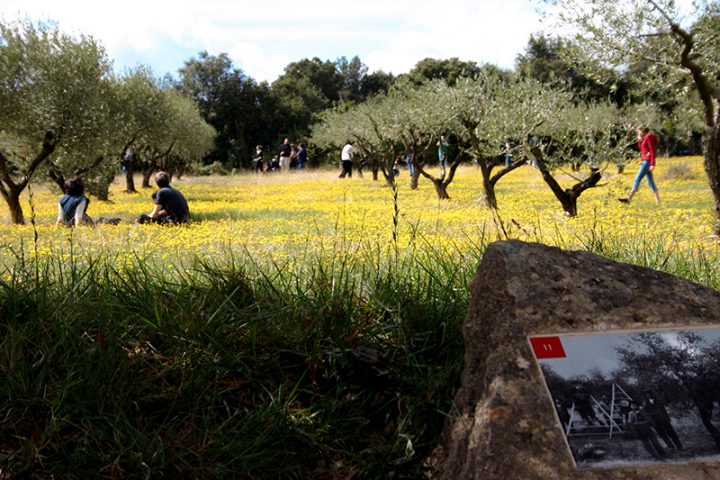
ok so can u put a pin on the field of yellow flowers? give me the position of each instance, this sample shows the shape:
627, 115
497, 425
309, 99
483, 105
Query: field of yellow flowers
285, 217
302, 326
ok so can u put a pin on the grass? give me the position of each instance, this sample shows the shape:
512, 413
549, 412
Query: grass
302, 327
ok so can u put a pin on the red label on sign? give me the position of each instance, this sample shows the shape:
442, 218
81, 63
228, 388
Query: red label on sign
547, 347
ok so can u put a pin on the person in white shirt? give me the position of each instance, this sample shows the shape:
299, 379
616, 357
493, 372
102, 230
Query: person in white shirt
346, 158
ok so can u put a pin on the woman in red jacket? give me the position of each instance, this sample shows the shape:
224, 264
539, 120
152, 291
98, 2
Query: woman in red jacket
647, 142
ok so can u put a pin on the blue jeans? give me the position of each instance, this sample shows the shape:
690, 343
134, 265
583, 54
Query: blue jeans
644, 172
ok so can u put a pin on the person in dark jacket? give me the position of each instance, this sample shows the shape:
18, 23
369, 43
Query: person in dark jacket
656, 411
641, 426
170, 205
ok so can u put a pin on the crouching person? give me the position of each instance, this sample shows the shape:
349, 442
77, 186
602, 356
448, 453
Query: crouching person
72, 206
170, 205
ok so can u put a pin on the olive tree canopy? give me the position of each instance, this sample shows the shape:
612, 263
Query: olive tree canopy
625, 33
52, 89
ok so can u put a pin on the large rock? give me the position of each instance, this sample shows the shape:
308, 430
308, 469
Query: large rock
504, 426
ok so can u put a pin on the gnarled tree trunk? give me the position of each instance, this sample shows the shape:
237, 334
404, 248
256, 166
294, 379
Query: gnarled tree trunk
12, 198
129, 180
711, 159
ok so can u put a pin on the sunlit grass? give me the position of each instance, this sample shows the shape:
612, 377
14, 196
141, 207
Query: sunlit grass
274, 216
283, 333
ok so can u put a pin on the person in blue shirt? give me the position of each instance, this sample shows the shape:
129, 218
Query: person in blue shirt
302, 156
73, 205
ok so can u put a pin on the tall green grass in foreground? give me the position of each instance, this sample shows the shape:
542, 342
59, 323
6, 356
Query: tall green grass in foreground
344, 367
227, 370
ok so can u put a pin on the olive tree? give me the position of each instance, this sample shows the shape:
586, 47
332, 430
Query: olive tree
342, 123
140, 116
422, 113
183, 136
488, 111
52, 89
624, 33
576, 139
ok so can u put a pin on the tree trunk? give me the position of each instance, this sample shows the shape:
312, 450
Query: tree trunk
488, 186
567, 197
569, 205
414, 179
490, 198
711, 154
375, 172
129, 180
12, 198
146, 177
441, 189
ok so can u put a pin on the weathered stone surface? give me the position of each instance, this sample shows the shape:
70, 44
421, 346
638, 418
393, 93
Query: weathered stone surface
504, 426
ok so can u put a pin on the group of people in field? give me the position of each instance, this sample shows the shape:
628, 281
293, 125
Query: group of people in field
287, 157
171, 207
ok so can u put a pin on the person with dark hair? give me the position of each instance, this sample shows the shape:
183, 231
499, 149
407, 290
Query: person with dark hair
442, 145
170, 205
346, 159
640, 424
73, 205
647, 143
302, 157
258, 159
285, 152
656, 411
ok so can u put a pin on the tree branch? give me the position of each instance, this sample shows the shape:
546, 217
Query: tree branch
48, 147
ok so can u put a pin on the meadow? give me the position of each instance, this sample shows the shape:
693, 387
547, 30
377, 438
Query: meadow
302, 326
286, 218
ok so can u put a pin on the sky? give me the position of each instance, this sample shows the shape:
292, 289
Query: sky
263, 36
585, 353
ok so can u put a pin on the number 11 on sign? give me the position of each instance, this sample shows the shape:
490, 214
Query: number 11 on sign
547, 347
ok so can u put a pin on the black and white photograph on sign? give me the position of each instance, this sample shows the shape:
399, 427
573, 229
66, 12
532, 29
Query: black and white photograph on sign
635, 398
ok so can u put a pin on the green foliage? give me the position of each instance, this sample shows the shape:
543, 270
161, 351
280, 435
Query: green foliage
546, 60
227, 370
673, 53
242, 112
450, 70
53, 105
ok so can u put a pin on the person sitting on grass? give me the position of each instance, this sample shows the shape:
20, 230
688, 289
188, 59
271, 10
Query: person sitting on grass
73, 205
170, 205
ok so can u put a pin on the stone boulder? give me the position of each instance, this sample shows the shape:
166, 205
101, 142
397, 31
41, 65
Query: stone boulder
504, 426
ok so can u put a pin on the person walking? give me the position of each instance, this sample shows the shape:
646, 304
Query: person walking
647, 142
346, 159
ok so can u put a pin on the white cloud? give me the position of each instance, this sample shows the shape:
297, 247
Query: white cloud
263, 36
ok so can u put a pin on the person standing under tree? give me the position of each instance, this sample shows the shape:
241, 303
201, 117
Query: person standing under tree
647, 142
302, 157
656, 411
258, 159
642, 428
284, 153
346, 159
442, 154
